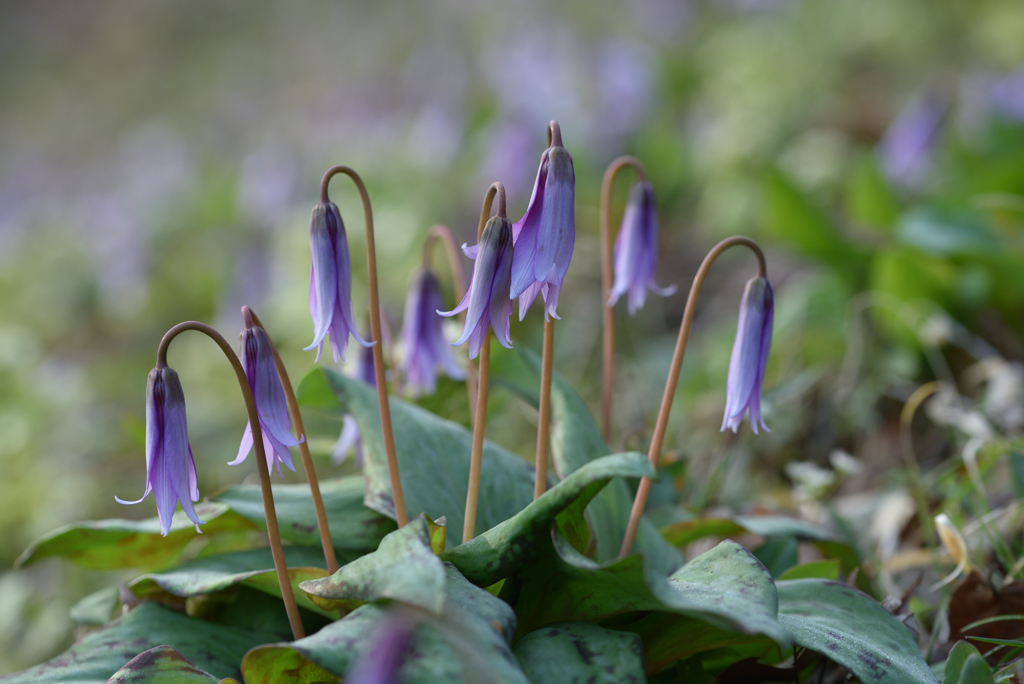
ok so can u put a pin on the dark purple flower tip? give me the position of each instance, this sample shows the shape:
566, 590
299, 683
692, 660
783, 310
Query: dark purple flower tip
381, 663
636, 250
488, 298
544, 237
330, 282
425, 347
170, 468
750, 355
271, 406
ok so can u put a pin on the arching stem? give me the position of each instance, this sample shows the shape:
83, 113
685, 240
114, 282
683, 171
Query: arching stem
444, 235
608, 338
307, 459
480, 422
375, 331
276, 550
673, 377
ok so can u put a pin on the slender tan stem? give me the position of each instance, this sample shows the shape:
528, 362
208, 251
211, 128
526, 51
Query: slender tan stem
544, 421
396, 371
276, 550
554, 134
444, 235
375, 331
673, 377
608, 352
476, 457
307, 459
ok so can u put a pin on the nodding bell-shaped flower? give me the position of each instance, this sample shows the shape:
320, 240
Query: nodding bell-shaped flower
488, 298
276, 425
170, 469
423, 336
545, 236
750, 355
636, 250
330, 282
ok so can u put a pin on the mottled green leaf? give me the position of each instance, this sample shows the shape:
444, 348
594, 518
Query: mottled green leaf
353, 526
505, 549
470, 637
404, 569
162, 665
852, 629
254, 568
581, 653
214, 648
117, 543
433, 457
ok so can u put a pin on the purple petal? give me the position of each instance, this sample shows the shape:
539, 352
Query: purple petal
557, 231
347, 441
324, 274
268, 392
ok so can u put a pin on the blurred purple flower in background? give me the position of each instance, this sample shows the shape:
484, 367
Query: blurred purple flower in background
330, 282
750, 355
350, 438
488, 297
170, 468
545, 236
425, 347
636, 250
271, 406
383, 661
907, 148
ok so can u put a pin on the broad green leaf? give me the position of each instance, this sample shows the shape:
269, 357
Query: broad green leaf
404, 569
822, 569
216, 648
576, 441
97, 608
581, 653
687, 531
947, 231
852, 629
433, 457
870, 199
470, 637
778, 555
965, 665
117, 543
505, 549
353, 526
783, 526
254, 568
163, 665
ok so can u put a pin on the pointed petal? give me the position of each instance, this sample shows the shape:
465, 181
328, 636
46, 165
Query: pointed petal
556, 235
245, 447
268, 392
347, 441
471, 251
324, 275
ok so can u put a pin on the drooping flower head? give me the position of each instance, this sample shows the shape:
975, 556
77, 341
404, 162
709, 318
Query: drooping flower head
330, 282
423, 335
636, 250
170, 468
257, 358
545, 236
488, 298
750, 355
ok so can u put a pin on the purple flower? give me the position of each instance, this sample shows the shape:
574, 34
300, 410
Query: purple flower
423, 335
636, 250
350, 438
907, 148
271, 407
170, 469
488, 297
544, 237
330, 282
382, 663
750, 355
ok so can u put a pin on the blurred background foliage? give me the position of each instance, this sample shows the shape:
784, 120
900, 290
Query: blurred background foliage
158, 162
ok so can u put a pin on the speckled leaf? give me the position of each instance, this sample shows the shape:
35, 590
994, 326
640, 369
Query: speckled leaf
213, 648
504, 549
433, 457
117, 543
353, 526
852, 629
471, 635
576, 441
404, 569
581, 653
254, 568
162, 665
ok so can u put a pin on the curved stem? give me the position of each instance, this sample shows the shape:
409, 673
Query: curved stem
485, 210
276, 550
476, 456
444, 235
673, 377
378, 352
307, 459
554, 134
608, 347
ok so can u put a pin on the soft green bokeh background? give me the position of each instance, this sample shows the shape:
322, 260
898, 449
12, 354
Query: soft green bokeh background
158, 162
